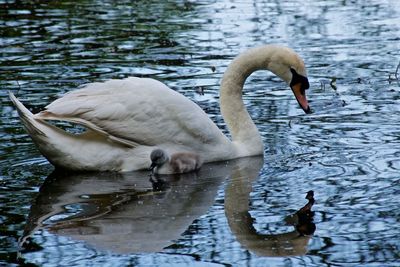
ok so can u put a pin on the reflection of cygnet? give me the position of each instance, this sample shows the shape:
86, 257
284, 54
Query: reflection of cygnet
178, 162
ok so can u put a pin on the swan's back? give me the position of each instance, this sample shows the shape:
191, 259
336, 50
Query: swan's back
139, 112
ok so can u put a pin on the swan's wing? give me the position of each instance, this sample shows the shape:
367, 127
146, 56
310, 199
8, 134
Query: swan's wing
136, 111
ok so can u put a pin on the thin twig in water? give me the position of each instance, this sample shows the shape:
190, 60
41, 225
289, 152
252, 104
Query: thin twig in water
19, 88
322, 85
333, 83
397, 69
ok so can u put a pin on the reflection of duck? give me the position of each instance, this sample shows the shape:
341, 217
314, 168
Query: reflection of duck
176, 163
237, 195
127, 119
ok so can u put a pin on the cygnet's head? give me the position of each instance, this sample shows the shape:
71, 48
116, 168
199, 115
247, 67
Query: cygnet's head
158, 158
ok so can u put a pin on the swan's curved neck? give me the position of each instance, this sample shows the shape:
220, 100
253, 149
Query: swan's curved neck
244, 132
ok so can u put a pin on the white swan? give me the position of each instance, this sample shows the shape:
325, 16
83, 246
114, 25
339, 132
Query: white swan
176, 163
127, 119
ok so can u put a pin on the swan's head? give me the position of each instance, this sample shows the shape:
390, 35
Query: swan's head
289, 66
158, 158
299, 85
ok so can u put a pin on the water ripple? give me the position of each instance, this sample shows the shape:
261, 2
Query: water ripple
346, 151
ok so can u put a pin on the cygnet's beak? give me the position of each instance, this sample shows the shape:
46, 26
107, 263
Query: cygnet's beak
300, 94
152, 166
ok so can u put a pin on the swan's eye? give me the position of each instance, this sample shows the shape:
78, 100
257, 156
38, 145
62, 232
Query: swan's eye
297, 78
304, 84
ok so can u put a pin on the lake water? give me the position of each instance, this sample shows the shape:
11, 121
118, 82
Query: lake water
230, 213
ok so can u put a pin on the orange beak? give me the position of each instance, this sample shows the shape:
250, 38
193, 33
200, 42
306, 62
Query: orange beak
300, 95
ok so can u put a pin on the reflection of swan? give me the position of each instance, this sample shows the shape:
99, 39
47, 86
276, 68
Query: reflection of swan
305, 216
128, 214
124, 213
237, 194
126, 119
180, 162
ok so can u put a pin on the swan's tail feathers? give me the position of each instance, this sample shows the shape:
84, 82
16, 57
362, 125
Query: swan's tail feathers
32, 126
42, 132
68, 150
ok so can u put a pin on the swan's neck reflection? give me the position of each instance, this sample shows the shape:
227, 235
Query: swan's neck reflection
130, 214
237, 199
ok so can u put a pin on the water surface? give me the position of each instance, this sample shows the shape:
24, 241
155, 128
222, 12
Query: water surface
230, 213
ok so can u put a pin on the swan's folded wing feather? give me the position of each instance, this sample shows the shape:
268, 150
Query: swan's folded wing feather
45, 115
140, 111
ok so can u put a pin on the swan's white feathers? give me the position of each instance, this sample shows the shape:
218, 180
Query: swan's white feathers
136, 111
45, 115
26, 116
127, 119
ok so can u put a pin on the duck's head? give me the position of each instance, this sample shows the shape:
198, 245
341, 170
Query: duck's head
158, 158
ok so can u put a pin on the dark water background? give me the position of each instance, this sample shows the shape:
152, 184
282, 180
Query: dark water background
347, 151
